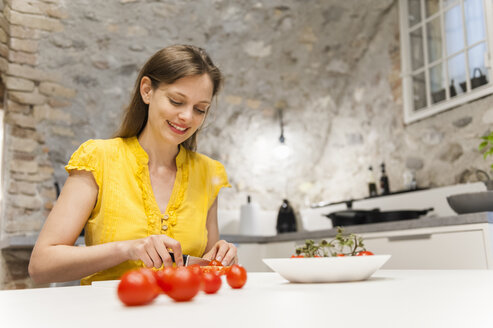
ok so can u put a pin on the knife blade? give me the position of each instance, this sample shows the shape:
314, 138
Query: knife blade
190, 260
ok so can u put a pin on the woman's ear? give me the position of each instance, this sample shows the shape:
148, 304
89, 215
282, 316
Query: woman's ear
146, 89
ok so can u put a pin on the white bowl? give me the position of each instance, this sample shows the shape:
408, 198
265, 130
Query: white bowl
327, 269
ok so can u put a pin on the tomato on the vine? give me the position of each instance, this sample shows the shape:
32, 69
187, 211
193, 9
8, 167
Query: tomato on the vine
236, 276
137, 288
211, 282
365, 253
185, 284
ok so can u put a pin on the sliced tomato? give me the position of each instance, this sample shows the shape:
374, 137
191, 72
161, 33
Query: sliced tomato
221, 270
215, 263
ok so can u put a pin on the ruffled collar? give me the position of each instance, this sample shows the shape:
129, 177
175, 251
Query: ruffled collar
155, 219
143, 157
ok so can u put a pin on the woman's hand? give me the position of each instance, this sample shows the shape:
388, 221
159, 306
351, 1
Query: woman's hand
223, 252
153, 251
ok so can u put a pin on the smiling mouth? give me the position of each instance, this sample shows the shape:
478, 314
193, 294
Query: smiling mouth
177, 128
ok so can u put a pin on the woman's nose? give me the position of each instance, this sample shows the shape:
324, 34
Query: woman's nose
186, 114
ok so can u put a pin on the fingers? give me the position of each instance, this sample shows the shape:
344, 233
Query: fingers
161, 250
153, 255
210, 255
226, 252
175, 247
153, 251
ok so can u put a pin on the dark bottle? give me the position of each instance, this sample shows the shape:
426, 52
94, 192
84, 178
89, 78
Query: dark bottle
384, 181
286, 219
372, 184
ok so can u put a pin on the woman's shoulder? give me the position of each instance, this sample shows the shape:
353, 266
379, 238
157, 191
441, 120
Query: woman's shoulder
201, 159
102, 144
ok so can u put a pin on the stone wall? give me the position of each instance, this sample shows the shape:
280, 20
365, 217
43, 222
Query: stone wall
332, 67
31, 96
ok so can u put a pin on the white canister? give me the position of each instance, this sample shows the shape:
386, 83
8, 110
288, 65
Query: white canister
249, 218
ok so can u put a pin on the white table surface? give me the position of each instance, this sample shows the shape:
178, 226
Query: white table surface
388, 299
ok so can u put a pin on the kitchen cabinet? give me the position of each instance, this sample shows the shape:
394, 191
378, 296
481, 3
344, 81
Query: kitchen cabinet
454, 247
467, 246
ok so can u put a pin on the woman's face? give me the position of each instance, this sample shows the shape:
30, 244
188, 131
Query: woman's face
177, 110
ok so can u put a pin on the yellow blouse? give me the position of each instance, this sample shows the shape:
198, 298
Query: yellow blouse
126, 208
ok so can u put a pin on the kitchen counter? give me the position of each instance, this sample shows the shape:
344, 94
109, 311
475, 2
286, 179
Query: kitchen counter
424, 222
402, 298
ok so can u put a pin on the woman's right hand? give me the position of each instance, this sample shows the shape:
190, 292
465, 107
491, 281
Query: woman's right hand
153, 251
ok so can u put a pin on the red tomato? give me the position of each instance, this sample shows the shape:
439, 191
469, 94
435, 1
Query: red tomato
152, 278
163, 278
236, 276
135, 288
215, 263
341, 255
364, 253
185, 284
211, 282
195, 268
296, 256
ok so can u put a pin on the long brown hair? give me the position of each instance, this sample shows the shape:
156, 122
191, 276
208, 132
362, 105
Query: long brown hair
167, 66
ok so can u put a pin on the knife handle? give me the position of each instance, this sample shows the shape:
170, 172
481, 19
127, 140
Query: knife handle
185, 258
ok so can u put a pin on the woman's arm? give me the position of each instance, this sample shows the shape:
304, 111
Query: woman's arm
54, 258
217, 249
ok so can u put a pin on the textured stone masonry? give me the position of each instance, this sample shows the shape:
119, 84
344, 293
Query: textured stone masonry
32, 95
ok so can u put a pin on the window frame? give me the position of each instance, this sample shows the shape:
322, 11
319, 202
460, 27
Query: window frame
410, 115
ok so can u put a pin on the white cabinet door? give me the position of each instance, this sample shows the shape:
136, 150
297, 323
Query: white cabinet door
251, 255
444, 250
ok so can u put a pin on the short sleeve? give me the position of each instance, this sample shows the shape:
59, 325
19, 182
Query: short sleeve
219, 179
89, 157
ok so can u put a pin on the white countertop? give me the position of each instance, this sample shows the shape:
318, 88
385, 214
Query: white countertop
388, 299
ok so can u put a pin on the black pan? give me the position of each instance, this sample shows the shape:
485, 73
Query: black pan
355, 217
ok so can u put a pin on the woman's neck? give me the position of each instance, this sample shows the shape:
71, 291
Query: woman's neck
160, 153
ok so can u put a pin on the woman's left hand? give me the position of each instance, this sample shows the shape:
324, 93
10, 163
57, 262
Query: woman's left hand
223, 252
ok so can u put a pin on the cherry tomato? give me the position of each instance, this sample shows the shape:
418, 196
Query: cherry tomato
215, 263
185, 284
197, 270
236, 276
163, 278
135, 288
296, 256
364, 253
152, 278
341, 255
211, 282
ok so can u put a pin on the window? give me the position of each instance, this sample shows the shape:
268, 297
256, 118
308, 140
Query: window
445, 47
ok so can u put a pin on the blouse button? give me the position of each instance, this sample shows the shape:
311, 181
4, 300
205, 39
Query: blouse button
165, 227
165, 217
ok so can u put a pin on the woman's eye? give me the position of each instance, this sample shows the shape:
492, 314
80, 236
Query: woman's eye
176, 103
201, 111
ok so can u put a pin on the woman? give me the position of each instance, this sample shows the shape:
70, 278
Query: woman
145, 192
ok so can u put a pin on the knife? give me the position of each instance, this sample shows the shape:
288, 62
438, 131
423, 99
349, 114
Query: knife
190, 260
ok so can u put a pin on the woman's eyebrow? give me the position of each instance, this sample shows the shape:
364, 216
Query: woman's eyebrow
184, 96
